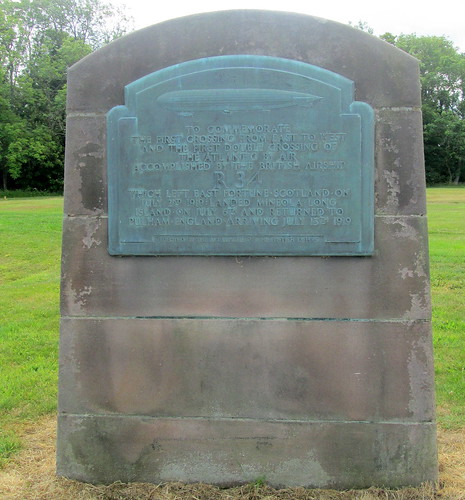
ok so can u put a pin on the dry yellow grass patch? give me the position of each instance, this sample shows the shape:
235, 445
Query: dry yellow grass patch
452, 463
31, 476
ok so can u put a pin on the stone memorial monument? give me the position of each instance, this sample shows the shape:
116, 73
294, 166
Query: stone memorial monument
245, 287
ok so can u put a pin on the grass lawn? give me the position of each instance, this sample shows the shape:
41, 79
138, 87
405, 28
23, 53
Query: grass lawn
446, 222
30, 240
30, 236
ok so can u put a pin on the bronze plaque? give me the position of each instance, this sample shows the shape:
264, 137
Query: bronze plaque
241, 155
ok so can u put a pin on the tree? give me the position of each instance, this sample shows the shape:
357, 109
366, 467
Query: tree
7, 119
39, 40
444, 139
363, 26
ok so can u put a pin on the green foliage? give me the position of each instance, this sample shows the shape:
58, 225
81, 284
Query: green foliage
9, 445
28, 193
260, 482
363, 26
39, 40
442, 69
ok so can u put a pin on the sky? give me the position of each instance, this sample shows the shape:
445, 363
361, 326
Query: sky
446, 18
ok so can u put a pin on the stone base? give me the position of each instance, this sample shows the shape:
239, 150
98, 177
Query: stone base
234, 451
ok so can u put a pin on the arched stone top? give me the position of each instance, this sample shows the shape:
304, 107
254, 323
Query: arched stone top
97, 82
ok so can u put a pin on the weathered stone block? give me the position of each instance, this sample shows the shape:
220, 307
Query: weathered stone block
85, 166
271, 369
230, 451
400, 172
314, 287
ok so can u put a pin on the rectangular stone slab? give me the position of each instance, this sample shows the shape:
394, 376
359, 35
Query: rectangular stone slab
274, 369
230, 451
336, 287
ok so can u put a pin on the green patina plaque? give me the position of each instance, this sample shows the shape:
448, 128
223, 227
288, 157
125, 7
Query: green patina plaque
241, 155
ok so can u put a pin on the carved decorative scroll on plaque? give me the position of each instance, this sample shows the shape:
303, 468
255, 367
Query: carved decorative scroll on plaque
241, 155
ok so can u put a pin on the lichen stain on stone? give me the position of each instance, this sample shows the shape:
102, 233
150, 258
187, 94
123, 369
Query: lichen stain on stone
418, 270
301, 471
421, 387
91, 226
389, 146
73, 298
393, 190
406, 273
80, 296
189, 467
420, 265
413, 186
405, 230
417, 306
